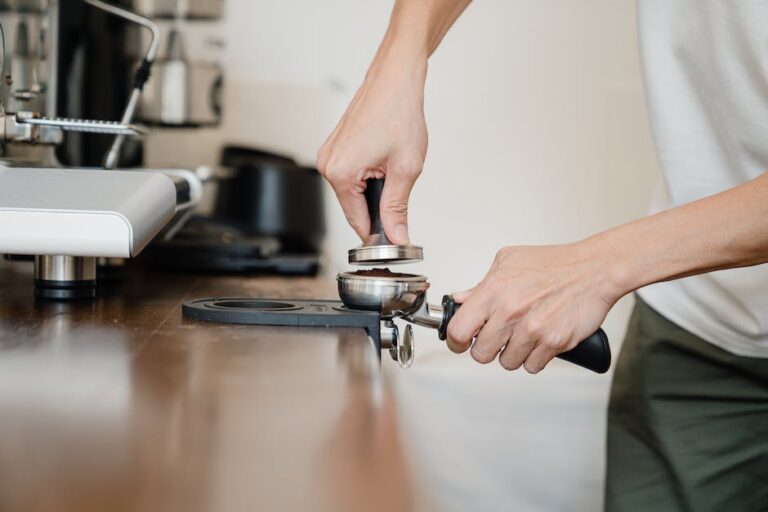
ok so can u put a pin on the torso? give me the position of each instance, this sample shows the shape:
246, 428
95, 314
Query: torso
706, 71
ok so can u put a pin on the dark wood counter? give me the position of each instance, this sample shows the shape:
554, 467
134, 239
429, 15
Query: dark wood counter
120, 404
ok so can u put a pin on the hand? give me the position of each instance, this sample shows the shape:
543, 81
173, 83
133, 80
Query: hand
382, 134
534, 303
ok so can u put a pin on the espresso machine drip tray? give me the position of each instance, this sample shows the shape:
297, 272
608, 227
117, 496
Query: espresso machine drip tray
283, 312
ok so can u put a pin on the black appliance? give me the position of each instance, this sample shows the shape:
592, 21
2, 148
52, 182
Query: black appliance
269, 217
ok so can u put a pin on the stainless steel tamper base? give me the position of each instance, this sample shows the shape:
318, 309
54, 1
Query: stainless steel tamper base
378, 250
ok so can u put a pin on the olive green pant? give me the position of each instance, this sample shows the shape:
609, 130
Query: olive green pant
687, 424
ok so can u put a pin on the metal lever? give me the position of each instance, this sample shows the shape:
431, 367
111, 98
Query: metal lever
83, 125
142, 73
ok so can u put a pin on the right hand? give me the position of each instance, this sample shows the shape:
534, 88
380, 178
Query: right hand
381, 135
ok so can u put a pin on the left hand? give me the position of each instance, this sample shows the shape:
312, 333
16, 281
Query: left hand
534, 303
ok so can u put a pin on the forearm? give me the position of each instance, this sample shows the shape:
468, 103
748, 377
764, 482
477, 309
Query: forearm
416, 29
424, 22
723, 231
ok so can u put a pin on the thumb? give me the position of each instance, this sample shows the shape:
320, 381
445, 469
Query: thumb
394, 206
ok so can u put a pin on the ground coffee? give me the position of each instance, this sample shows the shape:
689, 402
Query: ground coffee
380, 272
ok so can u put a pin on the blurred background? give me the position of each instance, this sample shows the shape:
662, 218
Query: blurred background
538, 135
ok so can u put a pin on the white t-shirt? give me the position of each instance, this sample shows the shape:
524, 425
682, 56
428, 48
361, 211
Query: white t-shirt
706, 72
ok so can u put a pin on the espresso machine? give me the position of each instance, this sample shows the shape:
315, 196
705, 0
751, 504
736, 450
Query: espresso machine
83, 84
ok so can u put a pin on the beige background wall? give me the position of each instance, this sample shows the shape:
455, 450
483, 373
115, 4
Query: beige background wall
538, 134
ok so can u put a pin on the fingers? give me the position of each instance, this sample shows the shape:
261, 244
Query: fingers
459, 298
394, 202
530, 346
550, 344
491, 339
462, 296
356, 211
349, 185
466, 323
498, 332
456, 347
517, 350
347, 177
540, 357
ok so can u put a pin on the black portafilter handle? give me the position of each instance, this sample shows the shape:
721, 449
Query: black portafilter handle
374, 188
594, 353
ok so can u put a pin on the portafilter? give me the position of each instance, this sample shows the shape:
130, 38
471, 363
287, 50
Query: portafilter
396, 295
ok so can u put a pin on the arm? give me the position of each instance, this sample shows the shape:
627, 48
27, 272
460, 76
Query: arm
383, 132
727, 230
537, 302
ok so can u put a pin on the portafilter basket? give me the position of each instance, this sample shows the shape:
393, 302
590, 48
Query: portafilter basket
396, 295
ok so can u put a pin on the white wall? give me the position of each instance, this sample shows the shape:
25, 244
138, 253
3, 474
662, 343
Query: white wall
538, 135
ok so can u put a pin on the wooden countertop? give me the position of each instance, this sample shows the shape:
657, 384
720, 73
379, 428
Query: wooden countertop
120, 404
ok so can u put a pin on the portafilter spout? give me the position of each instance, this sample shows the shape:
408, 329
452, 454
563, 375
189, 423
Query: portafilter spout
405, 296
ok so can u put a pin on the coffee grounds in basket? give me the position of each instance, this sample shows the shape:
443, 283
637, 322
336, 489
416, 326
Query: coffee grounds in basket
380, 272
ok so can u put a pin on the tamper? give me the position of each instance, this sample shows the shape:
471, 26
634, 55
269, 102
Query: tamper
377, 249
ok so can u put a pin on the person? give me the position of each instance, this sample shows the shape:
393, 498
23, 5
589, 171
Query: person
688, 412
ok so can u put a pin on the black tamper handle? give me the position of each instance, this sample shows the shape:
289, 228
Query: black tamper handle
373, 189
594, 353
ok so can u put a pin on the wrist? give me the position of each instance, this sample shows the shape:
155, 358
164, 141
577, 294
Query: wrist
617, 273
401, 62
405, 49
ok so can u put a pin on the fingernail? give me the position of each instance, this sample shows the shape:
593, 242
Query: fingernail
401, 232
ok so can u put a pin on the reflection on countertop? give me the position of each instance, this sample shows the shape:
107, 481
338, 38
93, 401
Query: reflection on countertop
120, 404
